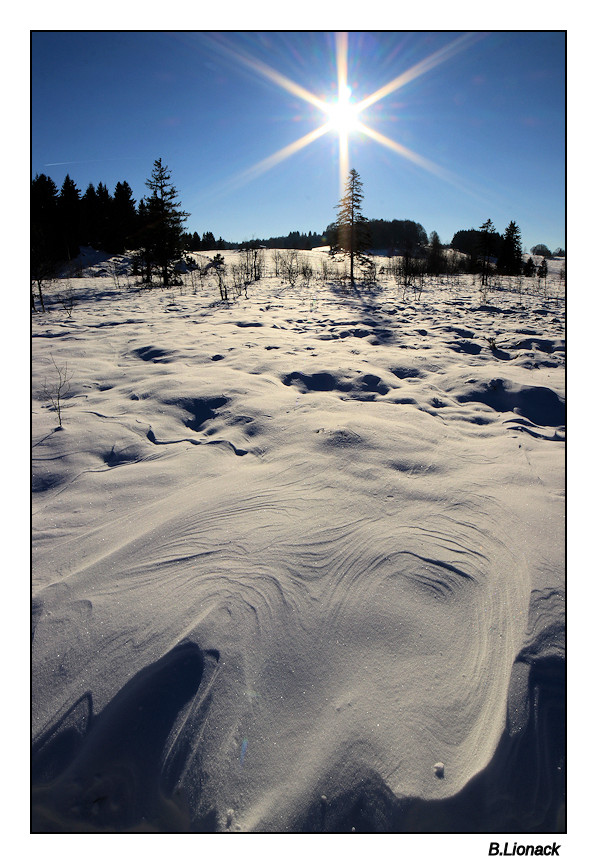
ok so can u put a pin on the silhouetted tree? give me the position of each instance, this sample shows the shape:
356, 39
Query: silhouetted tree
192, 241
529, 267
436, 260
510, 258
124, 218
105, 229
44, 233
163, 230
69, 216
89, 217
541, 249
467, 241
208, 241
542, 271
351, 225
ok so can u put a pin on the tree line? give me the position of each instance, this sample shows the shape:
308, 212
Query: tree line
292, 240
64, 220
205, 243
503, 248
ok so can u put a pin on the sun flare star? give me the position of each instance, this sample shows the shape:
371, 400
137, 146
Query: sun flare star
343, 115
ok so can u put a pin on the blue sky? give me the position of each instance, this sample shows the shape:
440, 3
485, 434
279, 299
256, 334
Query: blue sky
483, 124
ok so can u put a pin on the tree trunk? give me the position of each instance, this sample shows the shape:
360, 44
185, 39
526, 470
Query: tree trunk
352, 249
41, 296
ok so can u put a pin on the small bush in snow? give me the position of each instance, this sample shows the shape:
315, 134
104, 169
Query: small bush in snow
57, 390
289, 266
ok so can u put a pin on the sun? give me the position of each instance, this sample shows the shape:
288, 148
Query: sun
343, 115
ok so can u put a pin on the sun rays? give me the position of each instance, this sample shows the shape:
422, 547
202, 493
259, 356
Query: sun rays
342, 114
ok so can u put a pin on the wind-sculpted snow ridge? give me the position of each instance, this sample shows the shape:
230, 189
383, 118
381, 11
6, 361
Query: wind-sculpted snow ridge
358, 625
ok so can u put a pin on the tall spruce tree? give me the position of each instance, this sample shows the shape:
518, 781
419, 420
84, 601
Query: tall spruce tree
89, 217
44, 233
436, 261
350, 228
104, 217
142, 240
69, 215
124, 217
164, 226
208, 241
510, 259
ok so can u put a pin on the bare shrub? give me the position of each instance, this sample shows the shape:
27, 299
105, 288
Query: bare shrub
239, 278
221, 275
306, 270
113, 271
277, 259
67, 300
252, 263
58, 389
41, 282
289, 266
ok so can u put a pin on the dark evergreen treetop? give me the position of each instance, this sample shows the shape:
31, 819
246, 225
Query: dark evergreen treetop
435, 256
44, 195
510, 257
45, 231
69, 213
123, 218
89, 217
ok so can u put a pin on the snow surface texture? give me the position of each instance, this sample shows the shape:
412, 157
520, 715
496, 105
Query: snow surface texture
298, 559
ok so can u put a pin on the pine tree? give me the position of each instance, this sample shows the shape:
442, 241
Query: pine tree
351, 231
163, 231
143, 259
89, 217
44, 232
510, 259
104, 218
124, 217
488, 234
208, 241
436, 260
529, 267
69, 214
